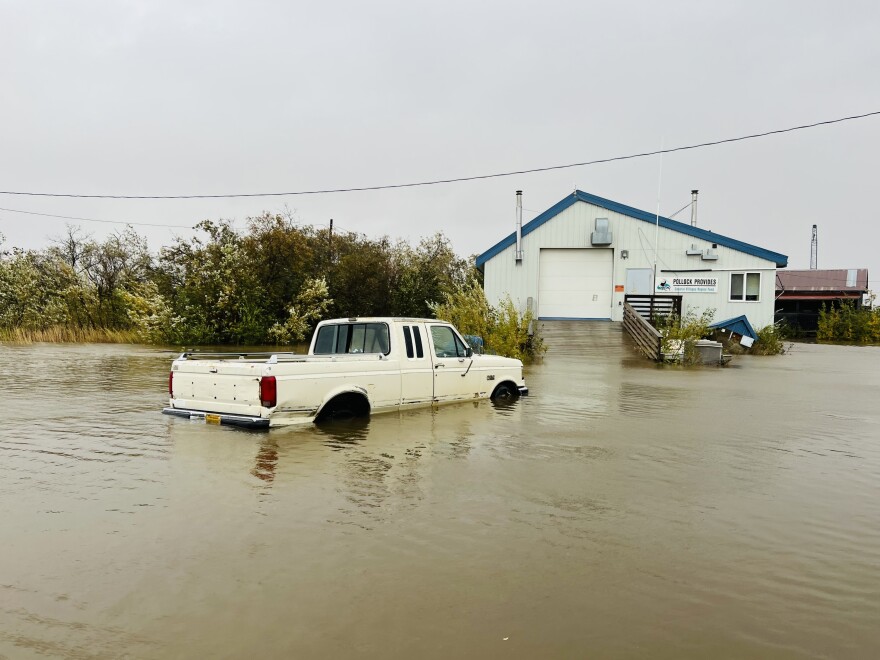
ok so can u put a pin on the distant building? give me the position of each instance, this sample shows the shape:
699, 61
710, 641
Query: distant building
581, 258
800, 294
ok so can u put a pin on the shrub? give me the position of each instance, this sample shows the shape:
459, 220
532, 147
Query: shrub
311, 304
770, 341
149, 314
848, 324
503, 329
679, 334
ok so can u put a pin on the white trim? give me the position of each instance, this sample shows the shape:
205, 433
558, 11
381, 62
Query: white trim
745, 274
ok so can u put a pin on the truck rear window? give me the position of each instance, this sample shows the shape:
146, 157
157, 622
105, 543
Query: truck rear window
352, 338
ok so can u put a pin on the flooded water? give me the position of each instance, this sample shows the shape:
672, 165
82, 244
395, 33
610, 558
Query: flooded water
621, 510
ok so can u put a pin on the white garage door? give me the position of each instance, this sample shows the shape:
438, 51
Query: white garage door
575, 284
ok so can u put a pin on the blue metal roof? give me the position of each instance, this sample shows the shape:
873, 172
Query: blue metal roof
739, 324
579, 196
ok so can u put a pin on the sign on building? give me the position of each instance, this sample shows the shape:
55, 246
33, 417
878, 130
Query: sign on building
679, 284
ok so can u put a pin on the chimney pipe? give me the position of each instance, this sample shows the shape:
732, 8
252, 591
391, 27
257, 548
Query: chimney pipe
519, 251
694, 194
814, 249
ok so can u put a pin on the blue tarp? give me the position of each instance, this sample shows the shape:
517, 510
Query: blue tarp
739, 324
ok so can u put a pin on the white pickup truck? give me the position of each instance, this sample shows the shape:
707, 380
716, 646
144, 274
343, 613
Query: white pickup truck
354, 367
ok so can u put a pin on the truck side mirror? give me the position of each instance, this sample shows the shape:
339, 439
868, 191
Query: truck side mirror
468, 352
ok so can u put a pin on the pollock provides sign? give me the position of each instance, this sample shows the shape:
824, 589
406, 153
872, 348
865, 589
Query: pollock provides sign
680, 284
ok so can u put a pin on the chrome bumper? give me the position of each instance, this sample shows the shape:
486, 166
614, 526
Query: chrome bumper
225, 419
523, 390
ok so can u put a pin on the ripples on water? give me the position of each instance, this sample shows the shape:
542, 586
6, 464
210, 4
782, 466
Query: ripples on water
621, 510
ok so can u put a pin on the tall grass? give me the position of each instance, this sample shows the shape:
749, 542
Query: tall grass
68, 335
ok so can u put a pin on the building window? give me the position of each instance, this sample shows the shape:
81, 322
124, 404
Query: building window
745, 286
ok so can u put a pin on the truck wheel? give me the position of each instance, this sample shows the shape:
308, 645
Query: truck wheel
337, 413
345, 406
505, 392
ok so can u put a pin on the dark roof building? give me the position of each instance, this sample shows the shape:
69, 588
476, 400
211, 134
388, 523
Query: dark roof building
800, 294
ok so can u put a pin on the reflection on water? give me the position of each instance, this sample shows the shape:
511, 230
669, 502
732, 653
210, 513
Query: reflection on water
620, 510
343, 434
267, 459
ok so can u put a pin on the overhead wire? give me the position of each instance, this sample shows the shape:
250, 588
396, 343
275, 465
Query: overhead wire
461, 178
680, 210
113, 222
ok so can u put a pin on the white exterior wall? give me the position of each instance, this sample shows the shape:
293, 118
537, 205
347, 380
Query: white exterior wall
572, 227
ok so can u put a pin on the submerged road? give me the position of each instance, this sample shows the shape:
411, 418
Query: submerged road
621, 510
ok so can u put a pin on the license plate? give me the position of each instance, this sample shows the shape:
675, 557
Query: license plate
212, 419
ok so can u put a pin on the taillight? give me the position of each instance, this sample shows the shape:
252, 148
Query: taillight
268, 392
171, 384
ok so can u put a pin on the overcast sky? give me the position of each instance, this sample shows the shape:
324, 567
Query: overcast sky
157, 97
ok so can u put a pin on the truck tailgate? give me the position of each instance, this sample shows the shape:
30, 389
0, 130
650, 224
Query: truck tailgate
222, 386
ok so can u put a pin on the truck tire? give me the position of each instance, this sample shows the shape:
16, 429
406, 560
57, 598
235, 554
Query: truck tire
505, 392
344, 406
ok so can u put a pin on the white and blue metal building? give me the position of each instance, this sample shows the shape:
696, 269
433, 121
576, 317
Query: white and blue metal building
580, 258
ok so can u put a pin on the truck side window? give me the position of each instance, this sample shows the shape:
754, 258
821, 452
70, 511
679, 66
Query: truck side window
407, 339
418, 337
376, 338
446, 344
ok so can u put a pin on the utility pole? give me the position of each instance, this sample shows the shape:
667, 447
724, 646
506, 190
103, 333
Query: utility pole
330, 248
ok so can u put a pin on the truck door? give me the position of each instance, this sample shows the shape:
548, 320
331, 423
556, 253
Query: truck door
416, 368
453, 377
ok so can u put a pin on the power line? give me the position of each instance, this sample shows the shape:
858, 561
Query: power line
680, 210
129, 222
112, 222
463, 178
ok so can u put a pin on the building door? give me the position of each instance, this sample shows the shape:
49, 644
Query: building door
575, 283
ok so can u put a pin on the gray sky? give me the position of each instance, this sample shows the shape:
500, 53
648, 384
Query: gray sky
159, 97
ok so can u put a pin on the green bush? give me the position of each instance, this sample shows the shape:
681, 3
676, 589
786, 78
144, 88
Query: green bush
849, 324
770, 341
503, 329
309, 307
268, 283
679, 334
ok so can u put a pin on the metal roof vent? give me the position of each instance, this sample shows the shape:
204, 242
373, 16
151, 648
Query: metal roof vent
603, 233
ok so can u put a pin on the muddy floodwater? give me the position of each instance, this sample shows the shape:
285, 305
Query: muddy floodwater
621, 510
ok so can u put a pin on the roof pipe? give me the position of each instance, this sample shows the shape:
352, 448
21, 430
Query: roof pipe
519, 251
694, 194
